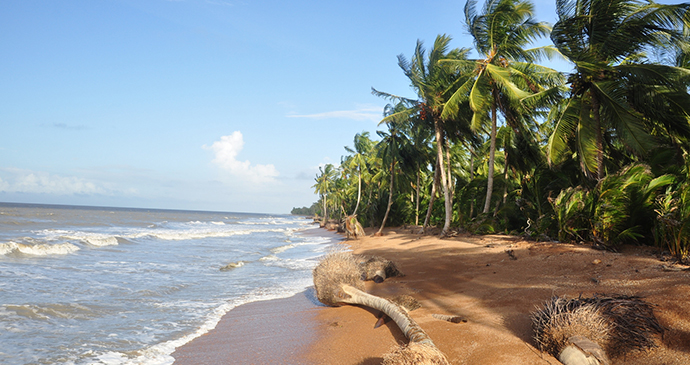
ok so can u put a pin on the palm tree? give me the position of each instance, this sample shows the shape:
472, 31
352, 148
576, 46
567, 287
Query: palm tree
434, 82
362, 145
324, 186
500, 34
394, 150
617, 96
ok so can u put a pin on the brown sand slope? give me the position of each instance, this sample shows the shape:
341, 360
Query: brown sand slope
474, 277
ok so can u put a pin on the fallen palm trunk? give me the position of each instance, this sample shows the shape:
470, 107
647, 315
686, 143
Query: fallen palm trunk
337, 280
407, 302
577, 331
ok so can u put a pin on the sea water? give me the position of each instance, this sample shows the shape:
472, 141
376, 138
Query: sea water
86, 285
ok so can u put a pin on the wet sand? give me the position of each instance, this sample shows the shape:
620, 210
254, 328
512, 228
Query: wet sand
494, 282
268, 332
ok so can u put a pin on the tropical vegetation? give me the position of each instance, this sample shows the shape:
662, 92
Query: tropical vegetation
501, 143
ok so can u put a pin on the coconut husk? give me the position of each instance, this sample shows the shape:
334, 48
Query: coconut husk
377, 268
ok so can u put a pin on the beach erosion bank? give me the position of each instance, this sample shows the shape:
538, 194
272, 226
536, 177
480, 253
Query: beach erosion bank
493, 282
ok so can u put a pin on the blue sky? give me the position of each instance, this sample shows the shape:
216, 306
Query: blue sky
198, 104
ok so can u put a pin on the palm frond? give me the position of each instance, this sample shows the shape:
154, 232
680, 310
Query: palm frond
502, 77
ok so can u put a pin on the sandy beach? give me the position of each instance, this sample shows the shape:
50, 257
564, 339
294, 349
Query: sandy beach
494, 282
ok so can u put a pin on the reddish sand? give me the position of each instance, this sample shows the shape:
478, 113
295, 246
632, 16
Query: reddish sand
470, 276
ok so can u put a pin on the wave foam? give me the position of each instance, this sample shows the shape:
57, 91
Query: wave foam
43, 249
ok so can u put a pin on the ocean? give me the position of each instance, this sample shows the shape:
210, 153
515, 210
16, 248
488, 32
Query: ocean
92, 285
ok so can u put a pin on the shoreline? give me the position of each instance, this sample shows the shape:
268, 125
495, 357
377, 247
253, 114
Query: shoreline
276, 331
271, 331
494, 282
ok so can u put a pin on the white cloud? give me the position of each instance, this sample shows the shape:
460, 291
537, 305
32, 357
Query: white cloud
374, 114
226, 151
25, 181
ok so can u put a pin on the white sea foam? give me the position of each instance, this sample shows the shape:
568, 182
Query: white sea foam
101, 240
281, 249
269, 258
43, 249
161, 354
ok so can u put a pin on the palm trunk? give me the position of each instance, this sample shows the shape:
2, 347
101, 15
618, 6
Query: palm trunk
390, 201
600, 137
359, 189
505, 179
505, 185
451, 185
416, 206
471, 178
407, 325
442, 172
582, 351
325, 211
432, 197
492, 153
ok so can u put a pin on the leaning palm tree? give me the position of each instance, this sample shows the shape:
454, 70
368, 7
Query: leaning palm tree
393, 149
500, 32
617, 96
324, 186
434, 82
358, 161
337, 280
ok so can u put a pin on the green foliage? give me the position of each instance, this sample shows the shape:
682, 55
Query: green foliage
672, 224
617, 210
308, 211
601, 157
569, 211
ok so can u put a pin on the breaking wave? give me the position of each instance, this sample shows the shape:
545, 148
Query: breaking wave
43, 249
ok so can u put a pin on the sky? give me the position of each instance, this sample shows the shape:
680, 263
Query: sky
217, 105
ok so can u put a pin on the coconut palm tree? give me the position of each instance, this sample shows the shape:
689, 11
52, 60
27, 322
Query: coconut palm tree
434, 82
362, 145
500, 32
394, 149
324, 186
617, 96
